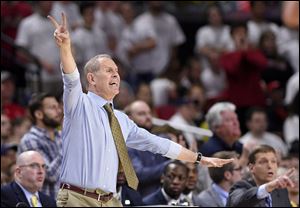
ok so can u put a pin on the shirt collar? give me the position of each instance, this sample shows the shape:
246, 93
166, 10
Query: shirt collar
100, 101
29, 194
224, 194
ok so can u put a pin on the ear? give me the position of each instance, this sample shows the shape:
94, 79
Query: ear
227, 175
18, 172
251, 167
162, 179
90, 78
38, 114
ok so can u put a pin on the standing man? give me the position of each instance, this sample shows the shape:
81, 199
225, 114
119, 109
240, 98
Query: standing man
29, 178
45, 138
265, 189
94, 134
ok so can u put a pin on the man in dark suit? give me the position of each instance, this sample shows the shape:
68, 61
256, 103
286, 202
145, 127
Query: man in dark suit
127, 195
29, 178
265, 189
173, 181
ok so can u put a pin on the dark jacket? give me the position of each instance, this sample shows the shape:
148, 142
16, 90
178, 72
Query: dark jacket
243, 194
134, 198
156, 198
13, 196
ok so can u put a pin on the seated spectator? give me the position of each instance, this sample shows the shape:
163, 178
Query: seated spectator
264, 188
148, 166
8, 158
20, 126
127, 195
173, 182
216, 195
5, 128
189, 194
224, 124
29, 178
257, 123
44, 137
9, 105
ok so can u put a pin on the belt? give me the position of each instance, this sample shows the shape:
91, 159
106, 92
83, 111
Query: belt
96, 194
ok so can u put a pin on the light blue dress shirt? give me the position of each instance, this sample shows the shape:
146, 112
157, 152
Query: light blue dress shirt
221, 192
90, 158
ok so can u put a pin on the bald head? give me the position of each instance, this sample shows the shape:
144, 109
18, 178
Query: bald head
26, 157
140, 113
30, 170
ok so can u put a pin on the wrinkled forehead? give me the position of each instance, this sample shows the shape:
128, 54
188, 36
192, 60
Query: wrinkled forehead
107, 63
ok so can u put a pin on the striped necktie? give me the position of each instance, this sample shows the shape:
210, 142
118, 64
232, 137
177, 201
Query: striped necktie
34, 201
130, 175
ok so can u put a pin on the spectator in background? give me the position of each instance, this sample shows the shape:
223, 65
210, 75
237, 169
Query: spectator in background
20, 126
278, 68
45, 138
107, 19
156, 37
290, 14
223, 122
88, 39
173, 181
185, 114
264, 188
291, 124
258, 22
29, 178
189, 194
35, 33
144, 93
6, 129
217, 193
257, 123
71, 9
212, 39
243, 68
126, 195
8, 158
148, 166
9, 104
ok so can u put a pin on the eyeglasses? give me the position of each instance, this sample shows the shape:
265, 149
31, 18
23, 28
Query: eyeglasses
35, 166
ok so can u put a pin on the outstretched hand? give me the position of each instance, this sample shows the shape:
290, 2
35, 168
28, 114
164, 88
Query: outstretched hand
61, 33
283, 181
215, 162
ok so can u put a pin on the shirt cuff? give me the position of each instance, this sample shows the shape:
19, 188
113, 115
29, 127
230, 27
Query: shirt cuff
174, 150
262, 192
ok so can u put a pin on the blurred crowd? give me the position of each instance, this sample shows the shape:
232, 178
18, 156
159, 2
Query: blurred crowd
241, 81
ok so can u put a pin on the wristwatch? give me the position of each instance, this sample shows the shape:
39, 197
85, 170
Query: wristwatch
199, 157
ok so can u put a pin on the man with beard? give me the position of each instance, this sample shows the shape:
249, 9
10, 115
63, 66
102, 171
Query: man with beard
44, 137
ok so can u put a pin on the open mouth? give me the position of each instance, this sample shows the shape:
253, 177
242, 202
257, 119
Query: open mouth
113, 83
270, 174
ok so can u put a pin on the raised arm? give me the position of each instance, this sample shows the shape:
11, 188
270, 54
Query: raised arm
62, 38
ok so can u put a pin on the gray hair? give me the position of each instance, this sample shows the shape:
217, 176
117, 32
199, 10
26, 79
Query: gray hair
214, 117
93, 65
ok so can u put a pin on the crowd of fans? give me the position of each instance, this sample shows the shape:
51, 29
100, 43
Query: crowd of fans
241, 82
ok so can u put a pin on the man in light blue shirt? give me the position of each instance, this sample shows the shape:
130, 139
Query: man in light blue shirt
90, 159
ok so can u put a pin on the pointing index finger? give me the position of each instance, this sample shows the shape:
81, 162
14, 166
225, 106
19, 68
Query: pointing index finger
55, 24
